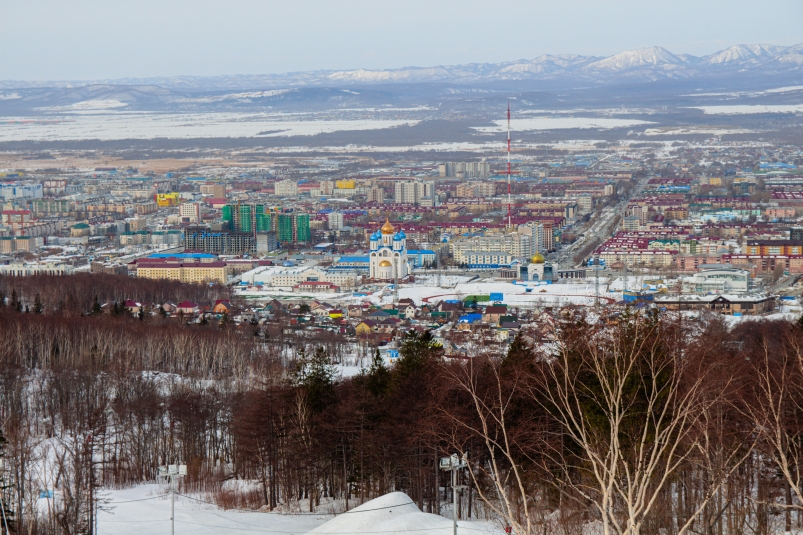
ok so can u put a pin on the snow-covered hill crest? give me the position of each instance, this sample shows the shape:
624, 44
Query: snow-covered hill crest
651, 63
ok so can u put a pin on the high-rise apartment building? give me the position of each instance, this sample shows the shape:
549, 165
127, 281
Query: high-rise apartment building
286, 188
219, 242
465, 169
376, 194
293, 228
335, 220
414, 192
245, 218
190, 212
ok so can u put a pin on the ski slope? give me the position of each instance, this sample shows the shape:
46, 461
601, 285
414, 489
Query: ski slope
146, 509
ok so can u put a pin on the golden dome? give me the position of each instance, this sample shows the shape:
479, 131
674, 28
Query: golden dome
384, 263
537, 258
387, 228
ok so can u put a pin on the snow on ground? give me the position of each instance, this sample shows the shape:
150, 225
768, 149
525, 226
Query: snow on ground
673, 131
731, 321
553, 123
514, 294
146, 125
741, 109
396, 513
146, 509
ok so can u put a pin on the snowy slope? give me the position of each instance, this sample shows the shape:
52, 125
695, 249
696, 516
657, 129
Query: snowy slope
396, 513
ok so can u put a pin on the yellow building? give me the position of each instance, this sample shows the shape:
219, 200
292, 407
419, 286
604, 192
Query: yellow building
191, 272
164, 200
346, 183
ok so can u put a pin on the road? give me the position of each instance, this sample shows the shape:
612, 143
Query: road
601, 228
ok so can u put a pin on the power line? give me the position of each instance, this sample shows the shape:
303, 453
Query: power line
294, 514
132, 501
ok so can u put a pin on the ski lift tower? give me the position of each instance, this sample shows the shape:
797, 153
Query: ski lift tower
596, 263
454, 463
172, 473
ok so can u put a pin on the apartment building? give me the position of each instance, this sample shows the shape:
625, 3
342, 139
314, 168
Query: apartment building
515, 244
414, 192
191, 272
286, 188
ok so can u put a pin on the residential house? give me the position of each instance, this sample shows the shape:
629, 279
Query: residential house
365, 327
492, 313
187, 307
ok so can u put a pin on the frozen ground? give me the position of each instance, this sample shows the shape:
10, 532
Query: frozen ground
555, 123
454, 287
396, 513
146, 509
142, 510
134, 125
741, 109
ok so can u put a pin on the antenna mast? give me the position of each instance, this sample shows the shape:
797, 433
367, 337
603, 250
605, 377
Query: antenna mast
509, 225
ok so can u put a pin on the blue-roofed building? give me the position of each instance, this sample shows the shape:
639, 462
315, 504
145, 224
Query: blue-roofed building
352, 263
470, 318
186, 256
421, 257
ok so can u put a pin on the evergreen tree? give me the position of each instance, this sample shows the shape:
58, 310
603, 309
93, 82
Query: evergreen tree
378, 378
415, 352
316, 374
96, 306
224, 320
38, 307
519, 355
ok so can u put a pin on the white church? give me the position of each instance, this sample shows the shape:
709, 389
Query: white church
389, 254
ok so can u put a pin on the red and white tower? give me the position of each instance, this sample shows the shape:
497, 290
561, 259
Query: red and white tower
509, 224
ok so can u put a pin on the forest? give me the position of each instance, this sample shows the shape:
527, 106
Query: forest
644, 423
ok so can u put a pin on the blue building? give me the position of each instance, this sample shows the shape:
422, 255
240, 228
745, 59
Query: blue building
421, 257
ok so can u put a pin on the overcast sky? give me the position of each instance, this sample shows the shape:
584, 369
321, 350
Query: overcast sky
96, 39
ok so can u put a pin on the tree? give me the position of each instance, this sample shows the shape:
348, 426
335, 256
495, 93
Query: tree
416, 351
96, 306
37, 304
6, 513
378, 379
628, 402
315, 374
777, 412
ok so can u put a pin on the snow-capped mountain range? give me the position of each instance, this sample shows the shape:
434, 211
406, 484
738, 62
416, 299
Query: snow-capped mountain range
653, 63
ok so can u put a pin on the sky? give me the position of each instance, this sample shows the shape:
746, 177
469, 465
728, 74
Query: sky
106, 39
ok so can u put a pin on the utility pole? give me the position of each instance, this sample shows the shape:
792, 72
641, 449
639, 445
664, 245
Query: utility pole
173, 473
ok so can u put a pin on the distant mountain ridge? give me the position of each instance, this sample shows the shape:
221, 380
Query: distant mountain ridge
645, 64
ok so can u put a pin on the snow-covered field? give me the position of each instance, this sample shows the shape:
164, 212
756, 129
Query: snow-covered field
125, 125
555, 123
146, 509
741, 109
454, 287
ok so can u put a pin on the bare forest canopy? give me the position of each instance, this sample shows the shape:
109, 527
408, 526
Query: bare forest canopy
639, 424
78, 293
